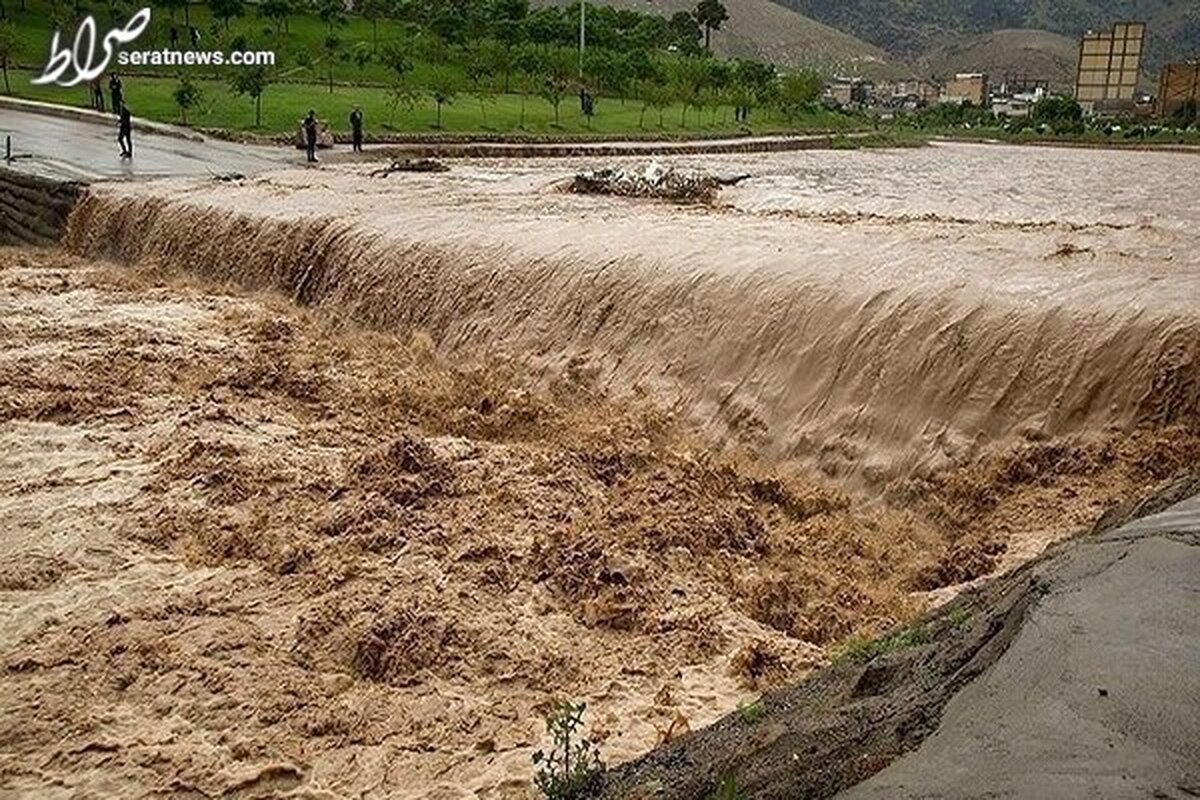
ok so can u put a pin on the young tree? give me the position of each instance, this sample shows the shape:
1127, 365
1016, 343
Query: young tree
710, 14
9, 42
657, 94
252, 82
507, 18
373, 11
331, 12
225, 10
754, 84
688, 80
332, 46
361, 55
187, 95
482, 56
558, 73
443, 88
527, 65
798, 92
277, 11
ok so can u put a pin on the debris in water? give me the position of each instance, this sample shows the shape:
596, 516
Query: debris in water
653, 180
411, 165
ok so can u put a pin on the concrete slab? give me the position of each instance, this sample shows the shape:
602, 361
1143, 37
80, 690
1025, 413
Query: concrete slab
1097, 697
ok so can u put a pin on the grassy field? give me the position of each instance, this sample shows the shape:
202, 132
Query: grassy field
284, 104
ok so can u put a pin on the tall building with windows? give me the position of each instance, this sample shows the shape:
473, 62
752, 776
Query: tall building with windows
1109, 64
1177, 84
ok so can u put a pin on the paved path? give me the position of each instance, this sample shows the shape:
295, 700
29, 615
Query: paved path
77, 149
1098, 696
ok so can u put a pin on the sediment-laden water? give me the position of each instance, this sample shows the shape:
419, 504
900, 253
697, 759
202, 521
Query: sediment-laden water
323, 484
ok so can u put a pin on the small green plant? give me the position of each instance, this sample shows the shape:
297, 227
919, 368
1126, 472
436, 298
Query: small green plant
959, 617
861, 651
728, 789
751, 713
573, 764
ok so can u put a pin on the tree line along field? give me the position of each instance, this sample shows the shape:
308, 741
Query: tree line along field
488, 66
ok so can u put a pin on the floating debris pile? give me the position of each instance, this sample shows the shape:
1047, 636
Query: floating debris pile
653, 180
410, 165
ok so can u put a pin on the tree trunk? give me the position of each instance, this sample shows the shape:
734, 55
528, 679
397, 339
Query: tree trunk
7, 88
258, 111
187, 15
374, 37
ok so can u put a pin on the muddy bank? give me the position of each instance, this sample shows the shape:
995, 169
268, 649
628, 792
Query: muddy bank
249, 549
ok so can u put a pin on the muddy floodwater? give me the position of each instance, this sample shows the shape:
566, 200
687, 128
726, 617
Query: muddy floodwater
321, 484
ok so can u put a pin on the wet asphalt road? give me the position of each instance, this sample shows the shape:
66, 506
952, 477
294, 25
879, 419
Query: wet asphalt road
71, 149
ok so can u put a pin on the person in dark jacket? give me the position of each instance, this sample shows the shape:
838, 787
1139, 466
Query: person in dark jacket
97, 95
356, 123
117, 91
125, 132
310, 135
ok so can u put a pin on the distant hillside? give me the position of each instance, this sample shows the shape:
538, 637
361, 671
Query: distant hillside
766, 31
1032, 53
909, 28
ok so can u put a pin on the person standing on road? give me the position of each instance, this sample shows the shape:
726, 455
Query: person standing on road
356, 123
125, 132
117, 92
97, 95
310, 135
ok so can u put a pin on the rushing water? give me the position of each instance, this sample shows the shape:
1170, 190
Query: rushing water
881, 311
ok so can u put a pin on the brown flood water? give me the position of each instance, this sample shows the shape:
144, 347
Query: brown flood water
522, 445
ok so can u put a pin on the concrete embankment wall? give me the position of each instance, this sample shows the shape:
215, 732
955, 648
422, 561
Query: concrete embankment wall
34, 210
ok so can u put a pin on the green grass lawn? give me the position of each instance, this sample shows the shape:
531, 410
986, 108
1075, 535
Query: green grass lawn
283, 105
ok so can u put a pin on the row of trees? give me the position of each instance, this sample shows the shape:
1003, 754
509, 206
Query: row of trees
695, 85
457, 22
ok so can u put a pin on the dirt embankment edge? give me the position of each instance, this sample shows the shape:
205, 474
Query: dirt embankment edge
34, 210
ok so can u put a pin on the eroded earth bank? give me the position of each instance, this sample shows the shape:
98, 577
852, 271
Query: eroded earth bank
329, 485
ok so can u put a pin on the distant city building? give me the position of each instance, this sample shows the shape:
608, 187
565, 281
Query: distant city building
966, 87
844, 92
908, 95
1017, 94
1178, 83
1109, 63
1015, 84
